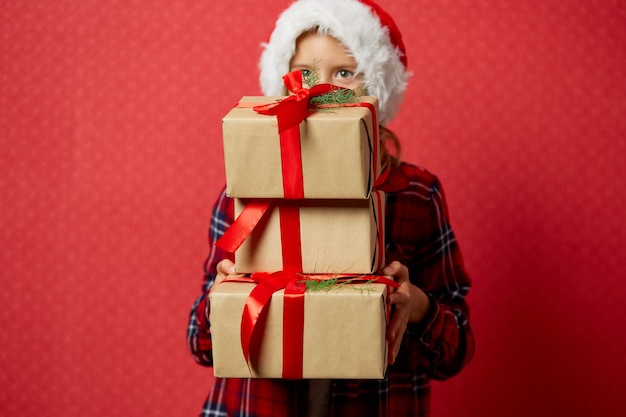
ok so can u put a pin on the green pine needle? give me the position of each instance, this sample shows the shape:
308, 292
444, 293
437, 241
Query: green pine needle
314, 285
340, 96
310, 78
320, 285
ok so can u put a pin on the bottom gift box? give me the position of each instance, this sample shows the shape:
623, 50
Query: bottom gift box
342, 333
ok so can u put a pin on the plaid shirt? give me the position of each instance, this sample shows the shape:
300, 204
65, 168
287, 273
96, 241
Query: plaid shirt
418, 234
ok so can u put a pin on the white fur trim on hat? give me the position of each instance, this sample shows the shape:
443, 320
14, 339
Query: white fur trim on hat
358, 28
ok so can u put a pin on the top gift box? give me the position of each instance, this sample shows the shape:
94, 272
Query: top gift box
334, 156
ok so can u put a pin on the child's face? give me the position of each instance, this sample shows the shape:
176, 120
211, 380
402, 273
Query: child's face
328, 58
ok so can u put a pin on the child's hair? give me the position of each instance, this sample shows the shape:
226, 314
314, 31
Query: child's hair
388, 159
363, 27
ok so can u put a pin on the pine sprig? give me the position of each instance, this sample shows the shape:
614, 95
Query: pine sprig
310, 77
321, 284
329, 284
335, 97
339, 96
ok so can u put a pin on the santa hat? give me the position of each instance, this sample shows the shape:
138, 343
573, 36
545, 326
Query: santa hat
363, 27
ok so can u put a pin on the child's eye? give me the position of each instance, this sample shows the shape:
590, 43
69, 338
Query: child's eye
345, 74
305, 72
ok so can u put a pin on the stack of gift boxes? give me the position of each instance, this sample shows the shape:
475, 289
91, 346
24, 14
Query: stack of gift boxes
306, 209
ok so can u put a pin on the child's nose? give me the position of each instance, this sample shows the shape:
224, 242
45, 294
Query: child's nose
325, 78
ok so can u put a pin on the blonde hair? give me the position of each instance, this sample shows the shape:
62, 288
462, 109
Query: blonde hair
388, 140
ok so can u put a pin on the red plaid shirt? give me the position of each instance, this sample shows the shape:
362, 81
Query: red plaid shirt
419, 235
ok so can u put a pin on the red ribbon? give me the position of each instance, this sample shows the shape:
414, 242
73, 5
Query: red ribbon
290, 238
257, 304
250, 217
255, 313
241, 228
290, 112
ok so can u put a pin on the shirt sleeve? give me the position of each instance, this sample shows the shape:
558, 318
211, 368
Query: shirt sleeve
198, 333
443, 343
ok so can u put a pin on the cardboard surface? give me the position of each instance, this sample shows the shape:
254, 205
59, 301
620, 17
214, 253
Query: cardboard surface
337, 236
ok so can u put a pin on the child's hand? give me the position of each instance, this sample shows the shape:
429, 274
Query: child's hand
225, 268
410, 305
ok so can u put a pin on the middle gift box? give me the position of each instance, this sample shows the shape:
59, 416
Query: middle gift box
315, 236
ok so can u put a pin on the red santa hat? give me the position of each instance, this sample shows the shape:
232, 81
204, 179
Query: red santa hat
363, 27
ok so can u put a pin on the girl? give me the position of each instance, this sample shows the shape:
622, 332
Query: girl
354, 43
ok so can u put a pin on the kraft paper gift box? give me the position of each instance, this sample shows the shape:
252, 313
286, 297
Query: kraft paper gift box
339, 152
343, 333
336, 237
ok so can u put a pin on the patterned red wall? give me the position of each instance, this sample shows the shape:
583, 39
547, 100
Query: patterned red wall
110, 157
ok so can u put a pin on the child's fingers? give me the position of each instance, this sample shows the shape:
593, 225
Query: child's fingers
395, 331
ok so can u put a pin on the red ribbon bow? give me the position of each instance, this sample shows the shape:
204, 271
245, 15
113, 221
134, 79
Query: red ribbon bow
290, 112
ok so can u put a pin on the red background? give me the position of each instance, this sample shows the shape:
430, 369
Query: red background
111, 158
